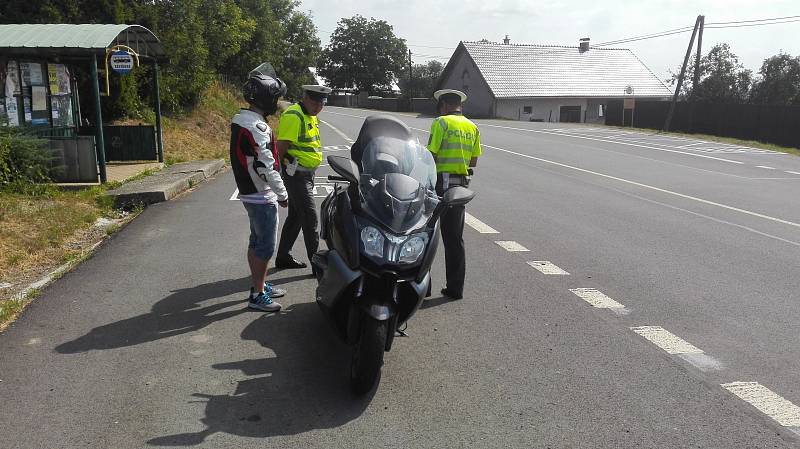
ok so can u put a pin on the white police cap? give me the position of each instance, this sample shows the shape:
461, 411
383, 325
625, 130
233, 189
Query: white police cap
317, 89
441, 92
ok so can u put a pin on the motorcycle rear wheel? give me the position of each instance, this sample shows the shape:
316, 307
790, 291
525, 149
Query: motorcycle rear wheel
365, 366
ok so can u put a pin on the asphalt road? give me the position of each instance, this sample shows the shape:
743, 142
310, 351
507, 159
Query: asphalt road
685, 337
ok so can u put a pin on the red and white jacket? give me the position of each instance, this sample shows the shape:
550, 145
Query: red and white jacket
254, 159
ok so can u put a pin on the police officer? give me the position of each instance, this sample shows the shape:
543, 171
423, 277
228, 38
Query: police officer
455, 143
300, 149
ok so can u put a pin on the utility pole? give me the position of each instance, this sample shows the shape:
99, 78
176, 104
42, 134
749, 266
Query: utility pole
696, 79
410, 81
410, 76
680, 77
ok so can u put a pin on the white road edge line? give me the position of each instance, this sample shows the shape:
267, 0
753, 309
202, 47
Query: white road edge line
596, 298
336, 130
547, 267
638, 184
784, 412
666, 340
511, 246
478, 225
689, 197
616, 141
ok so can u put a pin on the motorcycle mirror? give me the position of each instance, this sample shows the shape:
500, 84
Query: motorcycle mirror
458, 196
345, 167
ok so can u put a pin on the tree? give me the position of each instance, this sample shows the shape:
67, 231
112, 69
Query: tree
202, 40
779, 81
364, 54
423, 79
722, 77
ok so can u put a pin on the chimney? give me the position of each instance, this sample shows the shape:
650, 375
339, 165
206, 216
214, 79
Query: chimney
506, 40
584, 45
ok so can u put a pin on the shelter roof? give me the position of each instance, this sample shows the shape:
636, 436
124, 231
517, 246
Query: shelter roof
76, 40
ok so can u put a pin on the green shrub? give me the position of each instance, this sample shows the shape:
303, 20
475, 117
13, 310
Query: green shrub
24, 161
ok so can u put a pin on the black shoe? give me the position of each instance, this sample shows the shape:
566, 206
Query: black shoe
451, 295
289, 262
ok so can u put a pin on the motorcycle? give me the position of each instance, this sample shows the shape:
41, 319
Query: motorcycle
381, 230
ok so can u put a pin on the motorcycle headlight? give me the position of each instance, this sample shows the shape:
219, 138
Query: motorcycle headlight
373, 241
411, 250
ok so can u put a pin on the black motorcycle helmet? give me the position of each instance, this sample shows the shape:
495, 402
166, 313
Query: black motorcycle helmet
263, 92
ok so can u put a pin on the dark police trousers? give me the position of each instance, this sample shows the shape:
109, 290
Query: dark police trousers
302, 214
451, 224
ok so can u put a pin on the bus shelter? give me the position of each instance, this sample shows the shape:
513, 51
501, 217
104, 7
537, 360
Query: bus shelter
39, 91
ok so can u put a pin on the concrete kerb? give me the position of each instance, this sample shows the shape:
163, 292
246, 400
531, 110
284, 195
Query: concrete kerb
165, 184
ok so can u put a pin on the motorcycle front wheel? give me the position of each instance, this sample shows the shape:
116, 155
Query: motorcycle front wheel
365, 366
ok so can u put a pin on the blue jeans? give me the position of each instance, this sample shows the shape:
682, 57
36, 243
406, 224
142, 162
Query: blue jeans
263, 228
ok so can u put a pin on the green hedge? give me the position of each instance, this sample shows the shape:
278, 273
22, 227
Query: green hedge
24, 161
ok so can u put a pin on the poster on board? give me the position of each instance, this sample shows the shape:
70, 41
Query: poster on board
39, 98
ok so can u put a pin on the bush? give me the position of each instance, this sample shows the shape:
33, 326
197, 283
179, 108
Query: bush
24, 161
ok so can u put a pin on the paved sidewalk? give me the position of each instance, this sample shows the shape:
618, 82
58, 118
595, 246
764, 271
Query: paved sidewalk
165, 184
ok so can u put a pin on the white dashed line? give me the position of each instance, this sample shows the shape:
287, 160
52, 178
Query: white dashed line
766, 167
596, 298
793, 172
478, 225
235, 195
547, 267
511, 246
771, 404
666, 340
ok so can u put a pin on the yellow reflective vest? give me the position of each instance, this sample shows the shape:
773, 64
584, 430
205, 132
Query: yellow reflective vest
454, 141
302, 132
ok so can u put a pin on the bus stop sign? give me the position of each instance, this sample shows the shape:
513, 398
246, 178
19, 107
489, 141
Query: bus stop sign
122, 62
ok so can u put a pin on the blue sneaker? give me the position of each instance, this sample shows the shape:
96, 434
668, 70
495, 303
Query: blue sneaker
274, 292
263, 302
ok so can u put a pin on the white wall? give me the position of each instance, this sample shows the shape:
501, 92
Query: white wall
546, 109
465, 77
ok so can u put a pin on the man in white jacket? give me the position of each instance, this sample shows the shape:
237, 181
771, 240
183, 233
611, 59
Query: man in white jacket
254, 160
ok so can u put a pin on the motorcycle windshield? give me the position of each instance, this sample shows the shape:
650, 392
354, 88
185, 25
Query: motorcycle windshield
397, 183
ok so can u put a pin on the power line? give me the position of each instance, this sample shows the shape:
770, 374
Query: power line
754, 24
754, 20
647, 36
713, 25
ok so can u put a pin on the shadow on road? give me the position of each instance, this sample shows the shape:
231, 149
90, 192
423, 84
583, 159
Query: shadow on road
179, 313
304, 386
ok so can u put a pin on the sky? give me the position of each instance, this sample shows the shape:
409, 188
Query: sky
426, 23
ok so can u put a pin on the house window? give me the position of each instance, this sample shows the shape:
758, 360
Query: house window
527, 109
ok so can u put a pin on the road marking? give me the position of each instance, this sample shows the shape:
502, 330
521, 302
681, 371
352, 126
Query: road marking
511, 246
547, 267
793, 172
765, 400
336, 130
620, 142
235, 195
689, 197
596, 298
336, 148
666, 340
638, 184
764, 166
478, 225
326, 188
